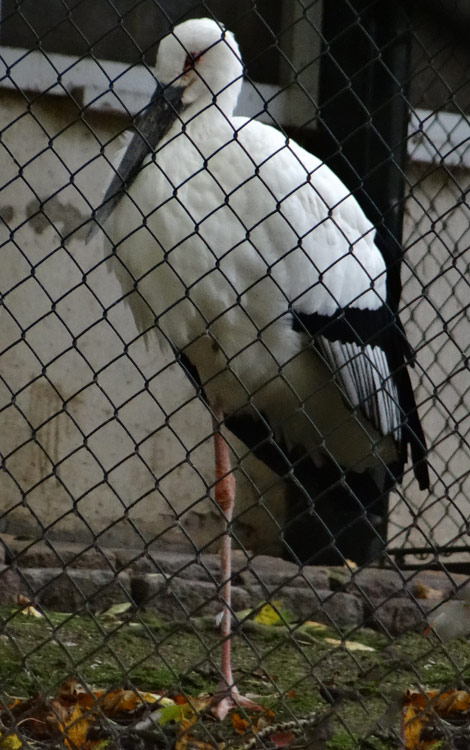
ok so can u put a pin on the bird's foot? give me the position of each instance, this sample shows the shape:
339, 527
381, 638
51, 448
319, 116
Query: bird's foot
226, 699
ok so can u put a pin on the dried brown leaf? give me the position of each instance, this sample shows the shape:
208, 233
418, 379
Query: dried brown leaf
421, 591
240, 724
282, 739
420, 708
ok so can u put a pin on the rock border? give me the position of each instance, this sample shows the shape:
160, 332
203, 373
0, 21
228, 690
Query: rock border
69, 577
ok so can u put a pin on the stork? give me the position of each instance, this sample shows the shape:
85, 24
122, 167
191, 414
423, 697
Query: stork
250, 258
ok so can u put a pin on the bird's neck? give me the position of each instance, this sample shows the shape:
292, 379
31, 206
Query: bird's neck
207, 118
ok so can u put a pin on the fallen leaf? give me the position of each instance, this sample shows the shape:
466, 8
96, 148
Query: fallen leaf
269, 614
27, 607
190, 743
118, 701
10, 742
128, 701
180, 699
451, 702
421, 708
265, 719
314, 625
39, 716
421, 591
412, 726
349, 645
117, 609
155, 698
240, 724
71, 692
176, 713
75, 731
74, 711
184, 741
282, 739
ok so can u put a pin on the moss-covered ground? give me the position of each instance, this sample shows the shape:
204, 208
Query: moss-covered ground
293, 670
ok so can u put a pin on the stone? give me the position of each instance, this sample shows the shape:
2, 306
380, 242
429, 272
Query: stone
341, 609
75, 590
438, 580
60, 555
147, 587
399, 615
178, 599
316, 577
68, 576
10, 585
321, 605
377, 584
180, 564
273, 573
9, 545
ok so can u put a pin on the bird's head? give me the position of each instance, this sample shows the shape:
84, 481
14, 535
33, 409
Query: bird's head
203, 59
198, 65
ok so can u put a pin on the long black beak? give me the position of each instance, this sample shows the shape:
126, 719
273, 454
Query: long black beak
149, 127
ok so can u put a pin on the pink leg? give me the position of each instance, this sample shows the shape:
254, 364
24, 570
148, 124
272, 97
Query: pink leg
227, 696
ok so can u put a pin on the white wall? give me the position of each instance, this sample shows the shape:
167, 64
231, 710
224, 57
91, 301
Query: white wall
437, 319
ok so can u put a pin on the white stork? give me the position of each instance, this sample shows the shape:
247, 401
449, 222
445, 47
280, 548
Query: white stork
253, 261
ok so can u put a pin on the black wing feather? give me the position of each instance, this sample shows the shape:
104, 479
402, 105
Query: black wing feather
150, 126
349, 332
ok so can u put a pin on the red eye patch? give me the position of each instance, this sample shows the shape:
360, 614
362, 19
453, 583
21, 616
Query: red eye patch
191, 59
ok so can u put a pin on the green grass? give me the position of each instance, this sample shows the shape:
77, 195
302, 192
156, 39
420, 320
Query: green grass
285, 667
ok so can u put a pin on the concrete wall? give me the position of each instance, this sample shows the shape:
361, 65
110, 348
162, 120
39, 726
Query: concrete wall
436, 315
86, 425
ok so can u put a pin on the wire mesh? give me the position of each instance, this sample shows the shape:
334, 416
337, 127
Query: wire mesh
111, 581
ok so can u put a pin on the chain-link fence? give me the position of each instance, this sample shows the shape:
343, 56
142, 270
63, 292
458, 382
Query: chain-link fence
275, 311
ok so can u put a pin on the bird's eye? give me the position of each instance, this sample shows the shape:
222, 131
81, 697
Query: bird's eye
191, 59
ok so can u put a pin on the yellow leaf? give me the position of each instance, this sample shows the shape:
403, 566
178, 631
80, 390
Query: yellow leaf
412, 726
10, 742
268, 615
420, 708
314, 625
350, 645
117, 609
31, 612
27, 607
155, 698
185, 741
75, 730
